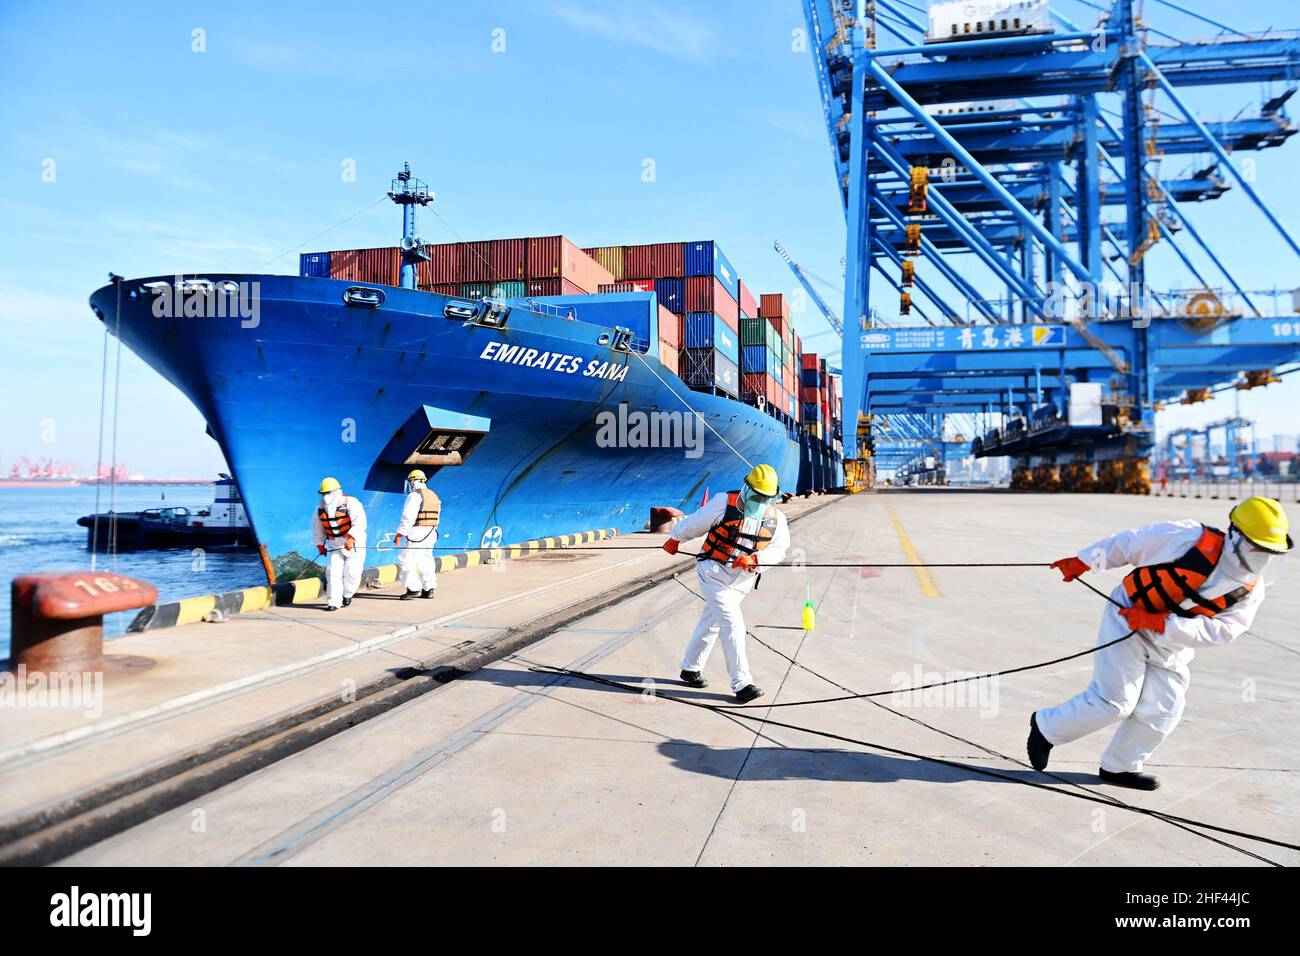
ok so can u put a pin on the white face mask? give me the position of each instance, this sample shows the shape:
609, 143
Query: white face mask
332, 499
413, 484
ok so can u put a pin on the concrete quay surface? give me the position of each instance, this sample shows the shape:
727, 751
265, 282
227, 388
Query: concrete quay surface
513, 765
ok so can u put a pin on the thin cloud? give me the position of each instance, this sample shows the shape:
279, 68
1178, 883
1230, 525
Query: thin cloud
645, 25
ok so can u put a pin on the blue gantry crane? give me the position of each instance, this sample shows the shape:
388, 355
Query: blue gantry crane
998, 156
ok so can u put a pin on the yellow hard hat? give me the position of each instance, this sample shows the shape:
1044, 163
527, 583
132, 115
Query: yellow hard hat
763, 479
417, 475
329, 484
1263, 522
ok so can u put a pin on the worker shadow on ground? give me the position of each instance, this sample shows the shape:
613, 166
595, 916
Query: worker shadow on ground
849, 766
642, 682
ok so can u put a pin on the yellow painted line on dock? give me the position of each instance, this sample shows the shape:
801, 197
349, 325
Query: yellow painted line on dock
928, 587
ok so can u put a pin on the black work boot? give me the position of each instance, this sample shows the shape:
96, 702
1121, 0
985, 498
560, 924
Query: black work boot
347, 601
693, 679
409, 595
749, 692
427, 593
1039, 747
1127, 778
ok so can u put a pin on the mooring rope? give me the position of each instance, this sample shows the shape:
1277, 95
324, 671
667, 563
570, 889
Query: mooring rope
751, 713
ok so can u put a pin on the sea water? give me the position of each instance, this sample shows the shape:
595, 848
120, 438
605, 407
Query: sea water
39, 532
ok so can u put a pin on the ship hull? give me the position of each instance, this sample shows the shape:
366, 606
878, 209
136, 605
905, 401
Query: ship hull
312, 386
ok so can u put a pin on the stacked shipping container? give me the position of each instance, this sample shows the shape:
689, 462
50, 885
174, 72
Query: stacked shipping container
713, 332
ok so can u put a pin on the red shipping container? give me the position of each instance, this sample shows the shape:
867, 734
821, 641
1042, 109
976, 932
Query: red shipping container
810, 394
545, 259
476, 262
773, 305
628, 285
446, 288
670, 328
748, 304
671, 357
707, 294
552, 257
442, 266
638, 263
667, 260
658, 261
374, 266
507, 259
751, 385
810, 361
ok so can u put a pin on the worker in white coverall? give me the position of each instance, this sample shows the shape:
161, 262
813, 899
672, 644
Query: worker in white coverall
1192, 586
743, 532
339, 531
417, 533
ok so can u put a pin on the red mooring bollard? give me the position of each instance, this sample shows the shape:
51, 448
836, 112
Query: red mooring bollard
661, 519
58, 620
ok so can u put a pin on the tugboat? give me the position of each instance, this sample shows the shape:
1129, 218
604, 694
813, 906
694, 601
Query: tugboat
221, 525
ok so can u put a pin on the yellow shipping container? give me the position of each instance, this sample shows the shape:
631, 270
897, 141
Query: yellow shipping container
611, 257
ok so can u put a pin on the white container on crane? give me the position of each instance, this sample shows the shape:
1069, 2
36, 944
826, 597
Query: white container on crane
978, 19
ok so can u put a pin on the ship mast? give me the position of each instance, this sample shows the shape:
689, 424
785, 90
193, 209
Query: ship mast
409, 193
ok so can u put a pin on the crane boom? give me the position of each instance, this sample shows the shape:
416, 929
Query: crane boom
804, 281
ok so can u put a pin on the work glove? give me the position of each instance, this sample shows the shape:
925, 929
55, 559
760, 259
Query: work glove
1141, 619
320, 548
671, 545
746, 562
349, 543
397, 540
1071, 568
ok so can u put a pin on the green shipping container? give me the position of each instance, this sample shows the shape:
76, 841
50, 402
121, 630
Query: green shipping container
753, 331
773, 338
493, 290
509, 290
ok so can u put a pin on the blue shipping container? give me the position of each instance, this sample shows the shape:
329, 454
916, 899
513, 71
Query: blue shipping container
706, 330
314, 264
812, 412
706, 259
810, 378
672, 294
758, 358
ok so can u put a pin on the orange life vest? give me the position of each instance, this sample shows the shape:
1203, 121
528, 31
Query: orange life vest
430, 508
339, 525
726, 539
1162, 588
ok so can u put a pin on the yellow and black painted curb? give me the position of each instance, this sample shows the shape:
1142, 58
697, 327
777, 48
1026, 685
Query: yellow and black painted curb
190, 610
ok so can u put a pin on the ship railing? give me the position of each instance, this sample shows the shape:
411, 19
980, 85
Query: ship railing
567, 312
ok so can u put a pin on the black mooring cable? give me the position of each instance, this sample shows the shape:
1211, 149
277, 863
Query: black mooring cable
753, 715
997, 753
727, 710
955, 680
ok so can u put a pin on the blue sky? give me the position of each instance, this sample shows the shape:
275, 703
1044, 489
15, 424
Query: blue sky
168, 159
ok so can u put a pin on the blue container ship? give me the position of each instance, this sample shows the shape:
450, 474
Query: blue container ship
533, 417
